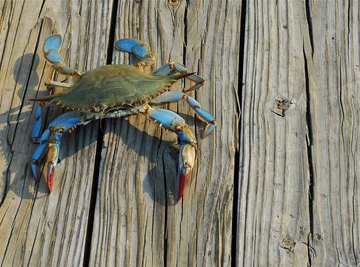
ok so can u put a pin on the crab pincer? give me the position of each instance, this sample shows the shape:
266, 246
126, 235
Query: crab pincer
49, 145
173, 122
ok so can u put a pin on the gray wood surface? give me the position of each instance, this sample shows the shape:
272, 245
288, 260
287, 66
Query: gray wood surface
276, 186
299, 195
135, 220
334, 100
38, 229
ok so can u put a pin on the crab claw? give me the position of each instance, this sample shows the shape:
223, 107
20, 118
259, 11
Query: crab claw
139, 49
51, 161
51, 52
53, 151
173, 122
126, 45
50, 145
37, 156
186, 163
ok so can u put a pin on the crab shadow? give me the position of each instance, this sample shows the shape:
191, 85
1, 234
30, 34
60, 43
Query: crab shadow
13, 122
160, 182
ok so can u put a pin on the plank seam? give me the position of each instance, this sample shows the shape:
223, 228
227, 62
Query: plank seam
99, 145
238, 158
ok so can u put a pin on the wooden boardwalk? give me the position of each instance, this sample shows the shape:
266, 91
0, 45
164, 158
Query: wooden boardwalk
276, 184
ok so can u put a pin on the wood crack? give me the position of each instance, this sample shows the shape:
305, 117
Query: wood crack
310, 25
310, 159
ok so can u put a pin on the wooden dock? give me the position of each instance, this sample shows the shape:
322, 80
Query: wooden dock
276, 184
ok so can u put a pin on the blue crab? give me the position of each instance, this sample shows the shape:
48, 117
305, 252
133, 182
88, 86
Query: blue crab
114, 91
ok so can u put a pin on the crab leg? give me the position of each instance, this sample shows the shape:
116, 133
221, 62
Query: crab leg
139, 51
51, 84
51, 52
50, 144
172, 96
174, 67
38, 124
173, 122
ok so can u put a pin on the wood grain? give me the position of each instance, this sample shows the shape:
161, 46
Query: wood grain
273, 211
39, 229
334, 99
137, 222
298, 193
299, 196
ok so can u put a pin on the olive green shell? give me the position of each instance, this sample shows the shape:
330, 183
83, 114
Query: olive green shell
112, 86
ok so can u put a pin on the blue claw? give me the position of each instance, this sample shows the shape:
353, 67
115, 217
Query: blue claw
36, 157
126, 45
140, 51
172, 121
52, 42
51, 47
50, 144
54, 57
51, 52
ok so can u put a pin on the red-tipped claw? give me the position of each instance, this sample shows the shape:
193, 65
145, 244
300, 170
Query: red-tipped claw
52, 159
50, 177
186, 161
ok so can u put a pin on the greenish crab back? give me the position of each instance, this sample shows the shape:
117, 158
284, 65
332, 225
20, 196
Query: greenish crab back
113, 85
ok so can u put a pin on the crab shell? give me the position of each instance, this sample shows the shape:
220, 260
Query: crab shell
112, 87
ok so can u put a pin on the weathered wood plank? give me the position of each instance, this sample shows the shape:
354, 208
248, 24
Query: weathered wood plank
273, 210
307, 52
334, 76
136, 221
37, 228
